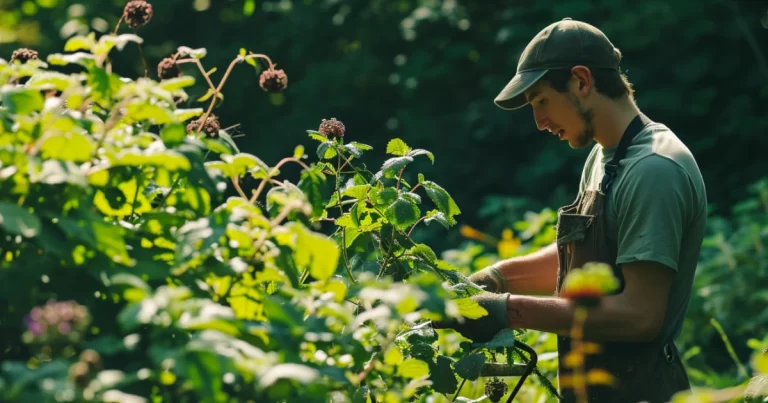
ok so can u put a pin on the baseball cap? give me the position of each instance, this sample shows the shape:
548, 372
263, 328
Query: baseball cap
562, 44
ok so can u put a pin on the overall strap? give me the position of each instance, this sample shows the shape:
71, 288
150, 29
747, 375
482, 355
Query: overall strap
611, 168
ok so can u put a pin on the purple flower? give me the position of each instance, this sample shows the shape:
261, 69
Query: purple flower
65, 328
35, 328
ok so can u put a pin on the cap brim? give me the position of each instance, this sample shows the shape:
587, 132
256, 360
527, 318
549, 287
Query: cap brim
512, 96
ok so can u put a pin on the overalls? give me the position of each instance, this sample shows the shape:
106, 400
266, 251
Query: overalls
649, 372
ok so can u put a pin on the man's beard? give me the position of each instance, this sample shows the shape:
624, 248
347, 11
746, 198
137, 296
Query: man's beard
587, 136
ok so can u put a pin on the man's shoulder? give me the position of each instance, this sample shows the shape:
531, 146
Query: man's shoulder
658, 150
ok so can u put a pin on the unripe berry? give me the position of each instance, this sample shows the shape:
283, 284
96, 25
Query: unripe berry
273, 81
167, 68
24, 55
332, 128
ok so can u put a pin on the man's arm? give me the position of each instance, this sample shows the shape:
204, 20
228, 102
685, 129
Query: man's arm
532, 274
635, 315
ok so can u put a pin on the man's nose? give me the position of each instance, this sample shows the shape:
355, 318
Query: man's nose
542, 122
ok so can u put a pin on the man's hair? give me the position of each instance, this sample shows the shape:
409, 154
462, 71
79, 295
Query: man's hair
611, 83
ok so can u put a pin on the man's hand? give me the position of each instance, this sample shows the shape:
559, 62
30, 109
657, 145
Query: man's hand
491, 279
485, 328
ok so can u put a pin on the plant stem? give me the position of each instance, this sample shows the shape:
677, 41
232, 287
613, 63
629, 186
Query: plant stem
117, 26
264, 181
343, 230
415, 224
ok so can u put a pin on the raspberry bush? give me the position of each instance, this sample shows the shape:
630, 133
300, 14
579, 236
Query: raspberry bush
129, 275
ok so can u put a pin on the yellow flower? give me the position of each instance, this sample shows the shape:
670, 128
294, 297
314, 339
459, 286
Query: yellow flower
508, 244
589, 283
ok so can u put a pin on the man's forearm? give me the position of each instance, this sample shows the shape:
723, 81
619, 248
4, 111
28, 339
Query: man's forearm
612, 320
533, 274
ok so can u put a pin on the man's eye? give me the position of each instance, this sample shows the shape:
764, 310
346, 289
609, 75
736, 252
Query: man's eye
543, 102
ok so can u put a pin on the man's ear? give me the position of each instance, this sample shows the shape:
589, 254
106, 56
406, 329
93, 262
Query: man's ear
584, 79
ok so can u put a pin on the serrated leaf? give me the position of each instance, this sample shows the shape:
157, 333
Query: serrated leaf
359, 192
442, 200
413, 368
413, 197
422, 351
314, 251
402, 213
398, 147
19, 221
434, 215
384, 197
423, 251
317, 135
325, 150
356, 152
505, 338
361, 146
80, 42
470, 366
442, 376
419, 151
393, 165
186, 114
176, 83
470, 309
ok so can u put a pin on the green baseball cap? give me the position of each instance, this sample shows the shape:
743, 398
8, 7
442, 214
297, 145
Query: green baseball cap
561, 45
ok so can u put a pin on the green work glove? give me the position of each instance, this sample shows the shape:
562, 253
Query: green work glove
491, 279
482, 329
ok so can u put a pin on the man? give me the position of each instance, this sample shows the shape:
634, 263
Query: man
641, 208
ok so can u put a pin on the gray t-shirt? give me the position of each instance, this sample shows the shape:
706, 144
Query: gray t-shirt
656, 210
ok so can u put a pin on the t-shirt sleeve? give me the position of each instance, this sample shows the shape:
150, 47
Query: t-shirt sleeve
652, 204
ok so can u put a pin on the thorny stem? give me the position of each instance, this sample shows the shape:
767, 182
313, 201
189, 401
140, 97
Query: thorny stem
343, 230
200, 66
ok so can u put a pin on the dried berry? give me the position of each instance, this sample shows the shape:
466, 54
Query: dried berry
211, 126
495, 389
137, 13
332, 128
273, 81
24, 55
167, 68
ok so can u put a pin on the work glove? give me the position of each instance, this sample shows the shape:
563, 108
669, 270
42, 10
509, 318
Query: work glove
482, 329
491, 279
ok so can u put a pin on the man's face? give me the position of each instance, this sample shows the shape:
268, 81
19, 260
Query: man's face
561, 113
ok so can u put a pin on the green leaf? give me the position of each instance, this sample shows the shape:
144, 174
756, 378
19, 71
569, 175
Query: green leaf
412, 197
402, 213
195, 53
243, 163
19, 221
22, 101
316, 135
384, 197
173, 134
392, 166
442, 200
423, 251
397, 146
248, 7
176, 83
356, 152
413, 368
361, 146
435, 215
186, 114
359, 192
442, 376
419, 151
80, 42
470, 309
505, 338
298, 152
470, 366
325, 150
314, 251
103, 84
82, 58
51, 80
68, 146
142, 111
422, 351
